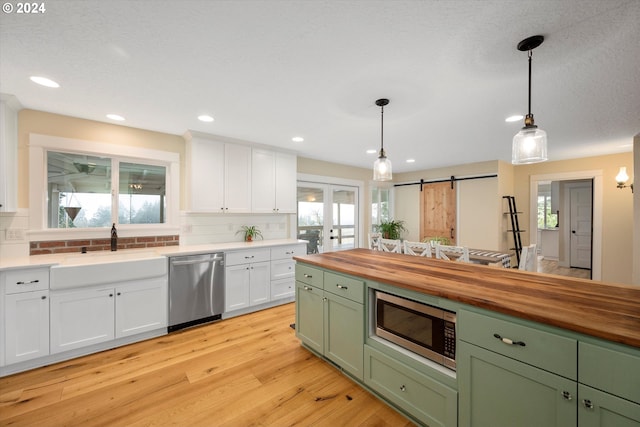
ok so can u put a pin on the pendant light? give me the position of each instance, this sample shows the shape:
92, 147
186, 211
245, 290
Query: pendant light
382, 166
530, 144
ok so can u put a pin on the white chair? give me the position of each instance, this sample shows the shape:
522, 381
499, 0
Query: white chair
417, 248
390, 245
528, 258
462, 252
374, 241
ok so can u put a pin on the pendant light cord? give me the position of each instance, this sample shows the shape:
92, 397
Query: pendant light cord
530, 55
382, 130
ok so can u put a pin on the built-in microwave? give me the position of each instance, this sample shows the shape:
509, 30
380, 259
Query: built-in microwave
423, 329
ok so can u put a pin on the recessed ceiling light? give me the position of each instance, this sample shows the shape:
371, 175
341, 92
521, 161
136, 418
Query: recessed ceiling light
297, 139
205, 118
43, 81
514, 118
116, 117
372, 151
411, 160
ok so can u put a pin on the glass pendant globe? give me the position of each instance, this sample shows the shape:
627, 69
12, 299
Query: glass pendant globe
529, 146
382, 169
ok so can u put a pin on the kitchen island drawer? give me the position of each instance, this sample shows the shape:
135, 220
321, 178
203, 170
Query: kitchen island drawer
611, 369
247, 256
344, 286
546, 350
309, 275
26, 280
419, 395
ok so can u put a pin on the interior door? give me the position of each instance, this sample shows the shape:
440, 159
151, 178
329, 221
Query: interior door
342, 234
438, 211
580, 222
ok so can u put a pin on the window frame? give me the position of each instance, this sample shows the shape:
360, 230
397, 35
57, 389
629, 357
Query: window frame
39, 145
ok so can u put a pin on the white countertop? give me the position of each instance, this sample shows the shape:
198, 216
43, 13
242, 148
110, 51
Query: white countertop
97, 257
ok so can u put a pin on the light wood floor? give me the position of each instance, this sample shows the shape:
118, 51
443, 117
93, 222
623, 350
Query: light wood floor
245, 371
551, 267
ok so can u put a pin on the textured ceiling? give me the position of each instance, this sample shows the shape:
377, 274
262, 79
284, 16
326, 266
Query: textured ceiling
269, 70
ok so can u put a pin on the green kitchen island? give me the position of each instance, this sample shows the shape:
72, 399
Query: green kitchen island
580, 365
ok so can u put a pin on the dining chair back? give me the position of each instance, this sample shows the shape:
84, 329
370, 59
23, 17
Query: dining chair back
417, 248
390, 245
528, 258
374, 241
461, 252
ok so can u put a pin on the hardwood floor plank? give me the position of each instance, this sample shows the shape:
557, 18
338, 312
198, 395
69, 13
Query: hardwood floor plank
248, 370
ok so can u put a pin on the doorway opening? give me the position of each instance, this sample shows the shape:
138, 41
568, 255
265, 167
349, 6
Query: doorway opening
579, 214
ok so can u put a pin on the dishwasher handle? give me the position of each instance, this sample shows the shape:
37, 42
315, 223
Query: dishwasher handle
197, 261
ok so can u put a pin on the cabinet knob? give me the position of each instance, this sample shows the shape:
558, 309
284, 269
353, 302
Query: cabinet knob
587, 403
111, 295
43, 297
403, 388
119, 294
566, 395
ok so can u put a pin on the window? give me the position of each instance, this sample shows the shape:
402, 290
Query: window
78, 188
546, 218
380, 205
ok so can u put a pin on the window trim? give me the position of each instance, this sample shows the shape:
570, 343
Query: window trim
40, 144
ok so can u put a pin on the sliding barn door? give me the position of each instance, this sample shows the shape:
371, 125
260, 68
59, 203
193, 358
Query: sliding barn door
438, 211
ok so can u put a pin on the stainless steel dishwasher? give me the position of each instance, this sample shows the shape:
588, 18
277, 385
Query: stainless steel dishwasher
196, 289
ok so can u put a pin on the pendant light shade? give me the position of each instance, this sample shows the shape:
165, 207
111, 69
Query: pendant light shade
382, 166
530, 144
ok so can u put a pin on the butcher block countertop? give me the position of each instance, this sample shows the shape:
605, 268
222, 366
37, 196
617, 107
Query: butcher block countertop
602, 310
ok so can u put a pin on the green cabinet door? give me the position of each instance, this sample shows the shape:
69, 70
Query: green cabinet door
599, 409
344, 333
310, 316
496, 391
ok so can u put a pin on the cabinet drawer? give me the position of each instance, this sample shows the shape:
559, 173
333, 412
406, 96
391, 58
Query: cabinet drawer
309, 275
347, 287
282, 269
283, 288
246, 257
616, 372
545, 350
26, 280
421, 396
288, 251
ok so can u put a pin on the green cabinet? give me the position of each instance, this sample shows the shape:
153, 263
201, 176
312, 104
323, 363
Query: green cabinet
599, 409
414, 392
330, 317
497, 391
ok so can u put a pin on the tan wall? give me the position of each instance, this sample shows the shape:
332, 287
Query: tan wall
636, 210
31, 121
617, 209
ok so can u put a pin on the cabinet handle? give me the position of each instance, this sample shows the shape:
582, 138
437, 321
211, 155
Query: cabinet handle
566, 395
111, 295
289, 253
403, 388
339, 286
249, 257
307, 288
587, 403
43, 297
28, 283
308, 276
118, 294
509, 341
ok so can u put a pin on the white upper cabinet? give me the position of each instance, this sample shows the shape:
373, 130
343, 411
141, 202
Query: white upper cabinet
273, 188
9, 107
218, 176
227, 177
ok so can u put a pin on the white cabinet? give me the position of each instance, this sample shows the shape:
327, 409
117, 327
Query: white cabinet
218, 175
247, 278
82, 317
273, 187
9, 107
283, 281
26, 314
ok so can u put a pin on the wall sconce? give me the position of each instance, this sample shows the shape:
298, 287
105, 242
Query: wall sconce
622, 178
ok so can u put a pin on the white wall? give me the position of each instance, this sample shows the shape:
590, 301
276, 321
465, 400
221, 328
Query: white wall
479, 210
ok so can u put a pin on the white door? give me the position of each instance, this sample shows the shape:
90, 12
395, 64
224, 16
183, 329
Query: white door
27, 326
580, 224
327, 216
141, 306
237, 279
260, 283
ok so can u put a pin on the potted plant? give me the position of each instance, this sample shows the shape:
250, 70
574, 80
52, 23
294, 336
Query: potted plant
250, 232
391, 229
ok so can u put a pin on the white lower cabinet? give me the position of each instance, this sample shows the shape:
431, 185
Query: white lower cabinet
27, 315
83, 317
246, 285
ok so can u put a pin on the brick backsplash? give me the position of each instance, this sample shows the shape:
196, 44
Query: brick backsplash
66, 246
